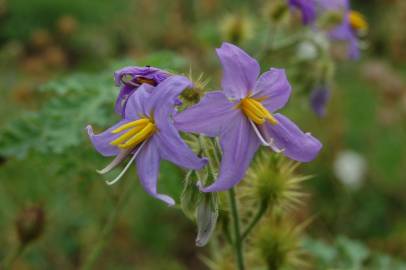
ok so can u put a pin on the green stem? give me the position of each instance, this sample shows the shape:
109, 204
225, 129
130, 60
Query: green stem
238, 244
261, 211
107, 230
9, 261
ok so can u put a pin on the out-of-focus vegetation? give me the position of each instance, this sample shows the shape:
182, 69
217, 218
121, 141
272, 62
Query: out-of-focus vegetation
57, 60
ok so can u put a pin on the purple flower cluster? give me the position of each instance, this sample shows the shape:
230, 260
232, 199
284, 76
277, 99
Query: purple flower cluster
307, 9
345, 31
242, 115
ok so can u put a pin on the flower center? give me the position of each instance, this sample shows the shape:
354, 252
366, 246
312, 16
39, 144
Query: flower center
255, 111
142, 80
138, 131
357, 20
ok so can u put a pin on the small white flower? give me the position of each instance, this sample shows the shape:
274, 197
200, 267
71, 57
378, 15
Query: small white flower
350, 168
306, 51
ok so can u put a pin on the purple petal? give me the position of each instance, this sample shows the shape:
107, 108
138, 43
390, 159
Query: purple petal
102, 140
344, 31
318, 100
273, 85
307, 9
122, 98
333, 5
240, 71
287, 136
239, 144
210, 116
136, 104
174, 149
341, 31
354, 50
154, 75
148, 169
165, 96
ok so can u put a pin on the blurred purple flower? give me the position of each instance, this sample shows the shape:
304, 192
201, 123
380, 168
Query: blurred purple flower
241, 115
349, 27
319, 98
130, 78
147, 134
307, 9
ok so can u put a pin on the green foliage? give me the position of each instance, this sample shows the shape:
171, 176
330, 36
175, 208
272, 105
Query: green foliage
59, 124
348, 254
26, 16
74, 102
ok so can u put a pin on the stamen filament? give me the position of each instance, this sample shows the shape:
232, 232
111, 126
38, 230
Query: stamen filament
259, 135
142, 121
120, 157
115, 180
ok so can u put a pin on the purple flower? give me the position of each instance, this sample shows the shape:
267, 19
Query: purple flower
147, 134
352, 23
130, 78
307, 9
319, 98
241, 115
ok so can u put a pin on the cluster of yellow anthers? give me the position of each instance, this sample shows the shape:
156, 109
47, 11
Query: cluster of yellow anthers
256, 112
138, 131
357, 21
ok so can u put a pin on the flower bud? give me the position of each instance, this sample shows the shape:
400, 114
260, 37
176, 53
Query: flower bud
276, 11
3, 160
330, 19
191, 196
67, 25
30, 224
206, 218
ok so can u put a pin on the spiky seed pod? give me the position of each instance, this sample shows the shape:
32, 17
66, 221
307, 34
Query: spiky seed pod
276, 11
222, 260
272, 180
192, 95
236, 28
277, 243
30, 224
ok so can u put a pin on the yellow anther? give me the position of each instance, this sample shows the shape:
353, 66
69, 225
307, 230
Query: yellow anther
256, 112
357, 20
140, 122
127, 135
251, 115
139, 131
142, 135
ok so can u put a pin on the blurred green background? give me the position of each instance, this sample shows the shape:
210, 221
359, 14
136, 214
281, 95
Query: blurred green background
57, 60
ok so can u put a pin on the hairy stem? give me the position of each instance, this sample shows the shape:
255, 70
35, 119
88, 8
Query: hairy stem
107, 230
9, 261
238, 241
261, 211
